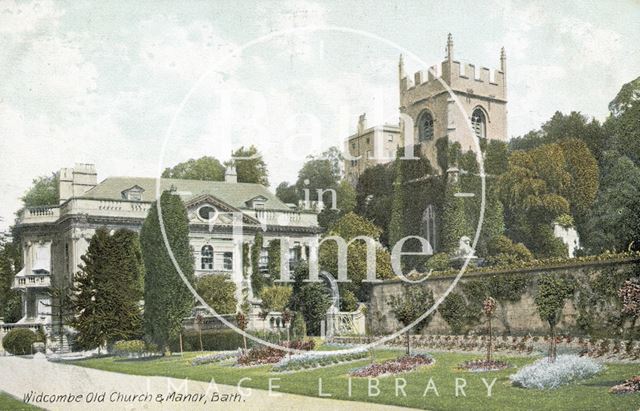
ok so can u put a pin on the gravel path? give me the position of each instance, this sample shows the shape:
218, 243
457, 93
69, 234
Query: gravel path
103, 390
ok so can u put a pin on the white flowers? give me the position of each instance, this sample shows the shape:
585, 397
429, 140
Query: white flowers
545, 375
318, 359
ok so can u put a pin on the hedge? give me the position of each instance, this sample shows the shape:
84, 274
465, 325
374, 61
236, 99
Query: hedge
222, 340
19, 341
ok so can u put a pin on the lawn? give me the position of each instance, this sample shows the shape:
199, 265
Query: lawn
590, 394
8, 402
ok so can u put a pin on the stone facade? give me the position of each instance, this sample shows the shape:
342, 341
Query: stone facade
370, 146
54, 238
455, 100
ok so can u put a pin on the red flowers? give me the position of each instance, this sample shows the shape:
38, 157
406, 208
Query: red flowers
402, 364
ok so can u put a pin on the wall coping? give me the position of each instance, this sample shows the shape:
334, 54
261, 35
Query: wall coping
549, 267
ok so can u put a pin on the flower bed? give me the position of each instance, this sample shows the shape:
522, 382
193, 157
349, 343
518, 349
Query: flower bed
213, 358
317, 360
545, 375
624, 350
260, 356
484, 365
391, 367
629, 386
302, 345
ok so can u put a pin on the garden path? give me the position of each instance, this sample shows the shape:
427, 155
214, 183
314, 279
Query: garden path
20, 376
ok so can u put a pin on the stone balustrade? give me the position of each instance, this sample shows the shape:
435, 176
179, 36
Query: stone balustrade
93, 207
29, 281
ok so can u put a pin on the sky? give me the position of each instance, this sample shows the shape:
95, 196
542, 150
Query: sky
134, 87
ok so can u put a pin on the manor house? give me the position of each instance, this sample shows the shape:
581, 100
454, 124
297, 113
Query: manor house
54, 238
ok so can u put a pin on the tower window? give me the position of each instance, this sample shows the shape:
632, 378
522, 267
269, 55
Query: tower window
479, 123
206, 258
425, 127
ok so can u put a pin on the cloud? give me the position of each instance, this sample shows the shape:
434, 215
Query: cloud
593, 45
18, 17
188, 51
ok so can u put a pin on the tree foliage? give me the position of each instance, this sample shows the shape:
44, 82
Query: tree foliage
347, 228
550, 299
108, 289
454, 219
410, 306
275, 297
10, 300
219, 292
167, 298
19, 341
204, 168
250, 166
287, 193
44, 191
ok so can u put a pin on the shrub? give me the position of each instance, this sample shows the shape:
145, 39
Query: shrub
129, 348
438, 262
349, 301
216, 340
546, 375
299, 327
275, 297
18, 341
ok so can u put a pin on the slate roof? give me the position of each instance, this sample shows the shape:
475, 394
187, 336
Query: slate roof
234, 194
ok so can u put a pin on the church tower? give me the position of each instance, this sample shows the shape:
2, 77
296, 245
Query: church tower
479, 106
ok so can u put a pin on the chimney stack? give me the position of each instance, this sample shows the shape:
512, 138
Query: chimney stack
230, 175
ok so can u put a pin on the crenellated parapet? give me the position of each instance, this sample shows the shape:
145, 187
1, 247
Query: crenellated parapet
460, 77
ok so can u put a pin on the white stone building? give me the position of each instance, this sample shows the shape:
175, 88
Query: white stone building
55, 237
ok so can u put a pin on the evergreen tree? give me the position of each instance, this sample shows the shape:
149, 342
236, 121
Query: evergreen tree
454, 223
397, 209
257, 278
10, 300
108, 290
167, 300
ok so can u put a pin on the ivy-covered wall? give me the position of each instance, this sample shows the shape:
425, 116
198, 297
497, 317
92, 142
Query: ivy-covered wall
594, 308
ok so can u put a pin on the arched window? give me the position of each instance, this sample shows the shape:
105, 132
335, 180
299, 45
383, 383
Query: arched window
479, 123
429, 226
206, 258
425, 127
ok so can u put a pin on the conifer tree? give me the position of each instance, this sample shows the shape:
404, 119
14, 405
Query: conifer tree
454, 224
167, 300
108, 289
396, 223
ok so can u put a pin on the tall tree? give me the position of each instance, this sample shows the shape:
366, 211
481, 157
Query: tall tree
454, 221
623, 122
10, 300
44, 191
250, 166
396, 224
205, 168
167, 300
108, 290
287, 193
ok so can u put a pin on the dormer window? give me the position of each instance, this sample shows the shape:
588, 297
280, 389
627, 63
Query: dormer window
133, 194
257, 203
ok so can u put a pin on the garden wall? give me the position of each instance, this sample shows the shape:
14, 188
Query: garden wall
594, 309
